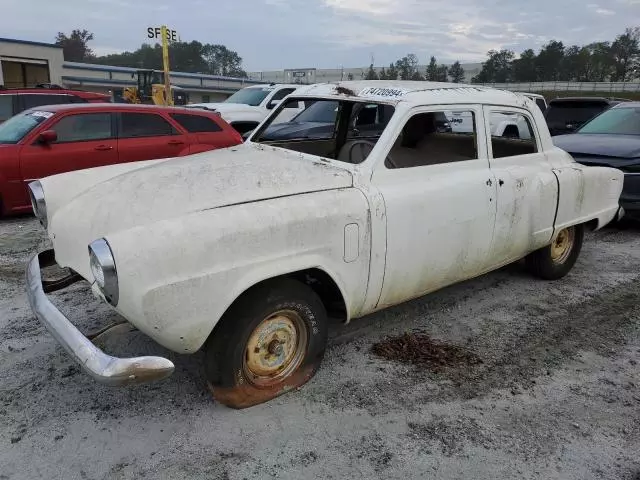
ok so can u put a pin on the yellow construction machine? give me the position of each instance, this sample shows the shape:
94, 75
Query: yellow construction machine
150, 90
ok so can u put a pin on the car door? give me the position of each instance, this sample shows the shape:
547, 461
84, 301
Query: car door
149, 135
85, 140
439, 197
204, 133
527, 190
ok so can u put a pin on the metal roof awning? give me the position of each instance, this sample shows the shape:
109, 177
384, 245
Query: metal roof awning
35, 61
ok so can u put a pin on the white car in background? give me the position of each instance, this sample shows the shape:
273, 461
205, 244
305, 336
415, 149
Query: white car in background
245, 109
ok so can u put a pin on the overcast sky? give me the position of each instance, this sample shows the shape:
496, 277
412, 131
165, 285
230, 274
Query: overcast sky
276, 34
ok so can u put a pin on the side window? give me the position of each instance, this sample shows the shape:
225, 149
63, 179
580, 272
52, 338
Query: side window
511, 134
83, 127
370, 120
6, 107
541, 104
428, 139
196, 123
135, 125
280, 94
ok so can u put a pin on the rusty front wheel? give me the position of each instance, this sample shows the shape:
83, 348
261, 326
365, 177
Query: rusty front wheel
270, 341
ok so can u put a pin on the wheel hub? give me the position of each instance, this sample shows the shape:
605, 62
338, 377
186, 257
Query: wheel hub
562, 245
275, 348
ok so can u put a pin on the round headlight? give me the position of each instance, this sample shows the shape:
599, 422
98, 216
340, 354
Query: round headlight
103, 268
96, 270
36, 195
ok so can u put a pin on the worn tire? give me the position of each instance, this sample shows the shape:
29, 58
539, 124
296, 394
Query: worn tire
243, 343
546, 262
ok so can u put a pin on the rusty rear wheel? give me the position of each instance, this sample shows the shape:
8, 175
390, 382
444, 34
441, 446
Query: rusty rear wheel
556, 260
270, 341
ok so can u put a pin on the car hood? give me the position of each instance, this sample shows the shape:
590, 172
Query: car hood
231, 107
176, 187
599, 145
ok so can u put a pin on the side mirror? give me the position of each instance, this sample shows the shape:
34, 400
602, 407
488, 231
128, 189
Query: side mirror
273, 104
47, 137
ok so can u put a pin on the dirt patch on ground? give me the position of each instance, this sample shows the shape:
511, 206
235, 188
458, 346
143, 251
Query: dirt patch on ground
420, 350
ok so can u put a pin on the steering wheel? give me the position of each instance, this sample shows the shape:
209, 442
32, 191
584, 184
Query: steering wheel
357, 151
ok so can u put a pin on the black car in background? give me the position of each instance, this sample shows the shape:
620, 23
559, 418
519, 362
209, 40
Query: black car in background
612, 139
566, 115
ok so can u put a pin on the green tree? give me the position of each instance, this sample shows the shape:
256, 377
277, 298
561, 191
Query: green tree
222, 61
456, 72
625, 55
432, 70
392, 72
524, 67
442, 73
75, 46
407, 67
193, 57
371, 73
497, 68
549, 61
383, 74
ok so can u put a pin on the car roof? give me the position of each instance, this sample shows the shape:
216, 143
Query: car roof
394, 91
274, 85
52, 91
584, 99
114, 107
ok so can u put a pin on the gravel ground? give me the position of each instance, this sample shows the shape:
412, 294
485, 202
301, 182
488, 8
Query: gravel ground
556, 396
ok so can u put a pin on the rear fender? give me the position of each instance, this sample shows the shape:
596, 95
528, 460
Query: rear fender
587, 194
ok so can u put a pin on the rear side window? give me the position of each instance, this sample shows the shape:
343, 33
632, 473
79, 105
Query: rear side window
511, 134
541, 104
136, 125
196, 123
573, 112
6, 107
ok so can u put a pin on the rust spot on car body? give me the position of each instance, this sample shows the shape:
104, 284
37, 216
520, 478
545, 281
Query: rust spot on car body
345, 91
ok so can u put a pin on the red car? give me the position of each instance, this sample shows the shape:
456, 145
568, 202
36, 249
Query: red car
54, 139
16, 100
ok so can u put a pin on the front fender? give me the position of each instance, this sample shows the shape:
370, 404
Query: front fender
178, 276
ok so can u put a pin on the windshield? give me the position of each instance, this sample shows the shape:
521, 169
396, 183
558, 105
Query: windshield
342, 130
573, 112
617, 121
321, 112
15, 129
249, 96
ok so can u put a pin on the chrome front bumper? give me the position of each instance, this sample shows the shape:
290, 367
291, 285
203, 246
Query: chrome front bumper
102, 367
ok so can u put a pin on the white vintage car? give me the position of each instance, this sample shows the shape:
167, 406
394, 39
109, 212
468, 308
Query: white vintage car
245, 252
